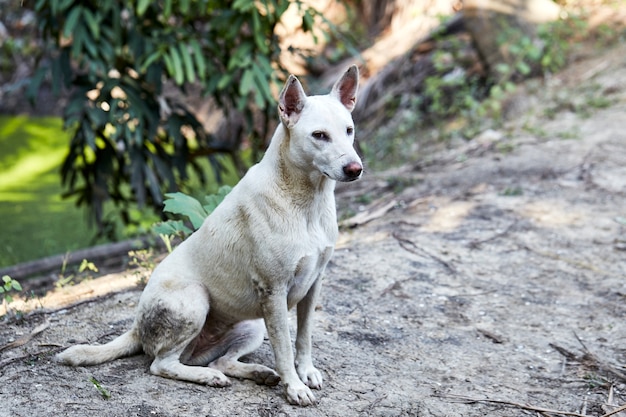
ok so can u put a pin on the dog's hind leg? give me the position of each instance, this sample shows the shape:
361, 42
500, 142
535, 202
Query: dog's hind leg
169, 366
168, 324
245, 337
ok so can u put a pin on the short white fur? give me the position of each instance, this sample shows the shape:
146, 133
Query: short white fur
260, 253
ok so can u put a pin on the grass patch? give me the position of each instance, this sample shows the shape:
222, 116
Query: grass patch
36, 221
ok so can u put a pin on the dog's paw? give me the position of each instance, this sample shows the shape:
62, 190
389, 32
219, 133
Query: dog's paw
218, 381
299, 394
310, 376
268, 377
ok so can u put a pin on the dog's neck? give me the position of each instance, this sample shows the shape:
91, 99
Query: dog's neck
302, 184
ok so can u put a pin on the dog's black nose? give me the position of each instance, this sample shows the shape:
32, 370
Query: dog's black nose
353, 170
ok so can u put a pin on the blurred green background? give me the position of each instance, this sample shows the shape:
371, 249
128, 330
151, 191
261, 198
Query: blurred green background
31, 152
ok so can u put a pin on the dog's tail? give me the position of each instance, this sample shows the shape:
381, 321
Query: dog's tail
81, 355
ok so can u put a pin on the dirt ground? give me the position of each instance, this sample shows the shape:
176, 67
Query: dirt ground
489, 281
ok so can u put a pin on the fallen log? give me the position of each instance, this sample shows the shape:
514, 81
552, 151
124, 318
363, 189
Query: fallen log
95, 253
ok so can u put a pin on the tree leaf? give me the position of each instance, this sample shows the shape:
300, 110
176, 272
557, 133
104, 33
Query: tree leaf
199, 59
169, 64
78, 40
70, 22
179, 75
262, 84
188, 64
184, 6
243, 5
224, 81
93, 24
171, 227
35, 82
214, 200
307, 21
247, 82
149, 60
153, 185
179, 203
142, 6
167, 9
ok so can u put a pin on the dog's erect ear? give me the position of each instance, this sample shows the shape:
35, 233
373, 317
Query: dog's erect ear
345, 88
291, 101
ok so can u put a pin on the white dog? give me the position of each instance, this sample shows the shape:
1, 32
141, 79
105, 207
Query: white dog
261, 252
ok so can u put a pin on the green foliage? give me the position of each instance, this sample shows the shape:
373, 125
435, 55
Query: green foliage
132, 143
83, 272
512, 191
558, 40
461, 102
455, 92
7, 287
143, 262
103, 391
31, 152
546, 52
183, 205
582, 100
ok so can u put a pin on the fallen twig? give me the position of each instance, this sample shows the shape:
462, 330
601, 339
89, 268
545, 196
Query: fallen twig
610, 402
396, 289
26, 338
566, 353
474, 244
30, 355
614, 412
589, 359
511, 404
599, 363
368, 215
412, 247
572, 262
368, 408
491, 336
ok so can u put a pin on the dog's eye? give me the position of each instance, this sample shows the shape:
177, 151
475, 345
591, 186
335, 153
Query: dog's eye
350, 131
319, 135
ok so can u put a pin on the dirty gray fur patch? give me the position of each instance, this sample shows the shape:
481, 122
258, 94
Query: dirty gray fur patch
161, 326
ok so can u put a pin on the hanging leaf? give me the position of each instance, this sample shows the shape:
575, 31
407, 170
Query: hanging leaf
92, 22
71, 21
187, 63
142, 6
199, 59
179, 75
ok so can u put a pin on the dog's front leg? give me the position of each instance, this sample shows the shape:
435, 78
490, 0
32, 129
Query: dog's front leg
275, 313
304, 362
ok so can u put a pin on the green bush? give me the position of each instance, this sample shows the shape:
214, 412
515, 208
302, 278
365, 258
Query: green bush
131, 143
454, 91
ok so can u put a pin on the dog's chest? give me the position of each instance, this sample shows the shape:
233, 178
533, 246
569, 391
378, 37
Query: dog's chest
308, 269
